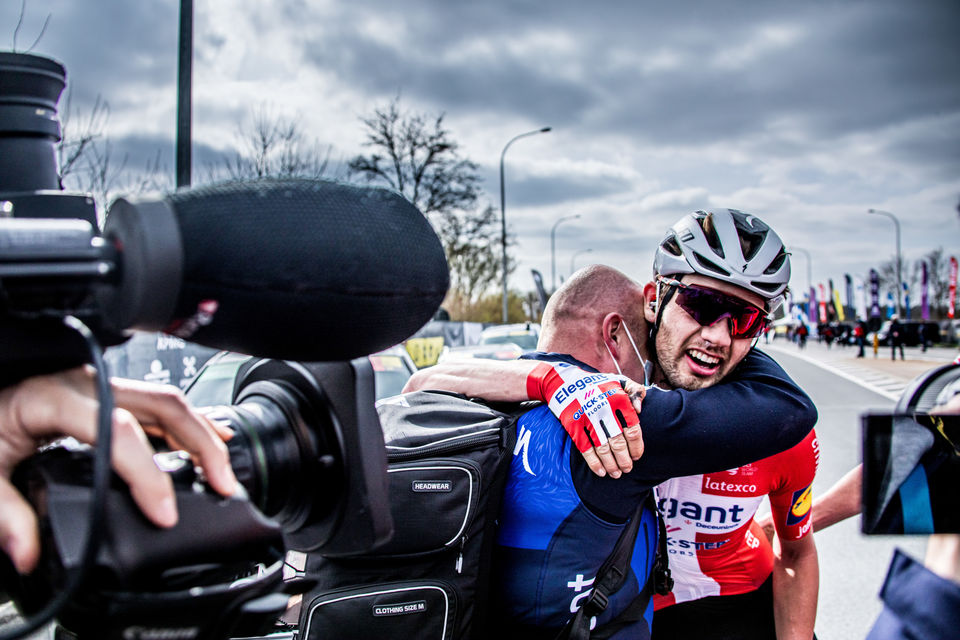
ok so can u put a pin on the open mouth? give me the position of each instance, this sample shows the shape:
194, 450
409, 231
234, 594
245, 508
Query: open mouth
702, 363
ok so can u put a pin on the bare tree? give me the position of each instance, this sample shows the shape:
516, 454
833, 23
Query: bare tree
79, 133
273, 146
415, 154
938, 276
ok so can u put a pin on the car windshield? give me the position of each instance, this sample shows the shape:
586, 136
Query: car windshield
524, 340
214, 384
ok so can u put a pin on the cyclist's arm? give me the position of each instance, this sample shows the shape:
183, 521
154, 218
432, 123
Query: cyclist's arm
841, 501
493, 380
756, 412
796, 580
500, 381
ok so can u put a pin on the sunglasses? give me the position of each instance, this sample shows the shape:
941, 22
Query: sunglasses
707, 306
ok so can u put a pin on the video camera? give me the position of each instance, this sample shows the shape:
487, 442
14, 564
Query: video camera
307, 275
911, 460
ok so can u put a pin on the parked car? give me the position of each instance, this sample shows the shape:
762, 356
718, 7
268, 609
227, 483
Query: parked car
497, 351
524, 335
214, 382
910, 332
498, 342
950, 331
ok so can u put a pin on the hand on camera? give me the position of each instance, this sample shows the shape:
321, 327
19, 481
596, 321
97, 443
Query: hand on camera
598, 410
46, 407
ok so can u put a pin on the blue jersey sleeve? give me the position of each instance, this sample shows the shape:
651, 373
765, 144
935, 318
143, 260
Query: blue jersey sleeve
754, 413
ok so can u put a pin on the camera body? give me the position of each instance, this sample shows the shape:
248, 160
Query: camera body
307, 275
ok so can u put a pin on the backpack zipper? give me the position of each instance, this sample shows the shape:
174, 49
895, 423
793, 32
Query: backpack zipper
458, 443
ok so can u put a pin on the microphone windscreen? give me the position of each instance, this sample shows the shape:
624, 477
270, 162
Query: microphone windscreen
304, 269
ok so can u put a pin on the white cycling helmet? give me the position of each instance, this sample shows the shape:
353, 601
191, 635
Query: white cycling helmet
728, 245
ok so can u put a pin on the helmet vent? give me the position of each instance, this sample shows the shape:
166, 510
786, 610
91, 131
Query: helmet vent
771, 287
776, 263
671, 246
710, 233
710, 266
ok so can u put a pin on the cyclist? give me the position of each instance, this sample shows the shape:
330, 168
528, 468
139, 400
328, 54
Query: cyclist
729, 583
560, 521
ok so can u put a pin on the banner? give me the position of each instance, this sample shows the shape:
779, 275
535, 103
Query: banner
859, 298
891, 305
953, 288
849, 301
924, 301
812, 306
823, 304
538, 281
874, 294
841, 315
906, 301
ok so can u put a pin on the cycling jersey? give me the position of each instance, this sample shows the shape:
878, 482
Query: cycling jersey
559, 520
715, 546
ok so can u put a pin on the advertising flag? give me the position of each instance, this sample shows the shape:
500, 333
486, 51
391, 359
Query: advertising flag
874, 294
841, 315
823, 303
812, 306
953, 288
924, 301
859, 298
541, 293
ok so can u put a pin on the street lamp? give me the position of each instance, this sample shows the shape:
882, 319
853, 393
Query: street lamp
574, 257
553, 251
899, 287
503, 212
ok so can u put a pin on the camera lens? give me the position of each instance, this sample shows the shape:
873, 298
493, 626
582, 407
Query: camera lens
29, 89
278, 452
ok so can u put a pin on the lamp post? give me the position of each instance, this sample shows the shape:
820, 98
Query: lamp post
574, 257
553, 251
503, 212
899, 286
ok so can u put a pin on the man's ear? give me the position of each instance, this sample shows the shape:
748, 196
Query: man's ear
611, 331
650, 302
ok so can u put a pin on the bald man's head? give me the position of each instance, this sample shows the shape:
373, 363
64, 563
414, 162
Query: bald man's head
573, 319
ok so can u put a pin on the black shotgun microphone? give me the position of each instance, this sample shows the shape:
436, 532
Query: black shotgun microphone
290, 269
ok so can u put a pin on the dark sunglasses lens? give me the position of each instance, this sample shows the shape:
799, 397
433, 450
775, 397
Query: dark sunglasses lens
706, 307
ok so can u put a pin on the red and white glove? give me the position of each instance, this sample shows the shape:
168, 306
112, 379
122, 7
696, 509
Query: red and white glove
593, 407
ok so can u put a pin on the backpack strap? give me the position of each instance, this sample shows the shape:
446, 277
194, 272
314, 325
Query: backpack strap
611, 576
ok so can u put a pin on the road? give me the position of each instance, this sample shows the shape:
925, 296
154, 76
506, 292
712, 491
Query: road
852, 566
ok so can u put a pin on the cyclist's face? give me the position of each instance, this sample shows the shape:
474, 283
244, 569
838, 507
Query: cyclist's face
690, 356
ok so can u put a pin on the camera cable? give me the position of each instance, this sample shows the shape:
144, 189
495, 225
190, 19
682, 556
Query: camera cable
101, 480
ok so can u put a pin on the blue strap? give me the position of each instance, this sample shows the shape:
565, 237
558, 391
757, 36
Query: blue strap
915, 502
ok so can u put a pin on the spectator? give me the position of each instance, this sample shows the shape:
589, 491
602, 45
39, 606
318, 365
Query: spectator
896, 337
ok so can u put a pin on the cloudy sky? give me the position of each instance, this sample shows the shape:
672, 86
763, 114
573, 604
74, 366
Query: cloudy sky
803, 113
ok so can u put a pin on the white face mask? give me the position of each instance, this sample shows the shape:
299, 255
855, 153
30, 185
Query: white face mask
645, 365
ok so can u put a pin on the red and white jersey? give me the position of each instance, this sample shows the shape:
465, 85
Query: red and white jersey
715, 546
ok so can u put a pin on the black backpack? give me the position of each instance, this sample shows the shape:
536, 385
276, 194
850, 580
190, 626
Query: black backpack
448, 459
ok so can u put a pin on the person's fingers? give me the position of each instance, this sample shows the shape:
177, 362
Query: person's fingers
46, 406
168, 407
634, 438
593, 461
634, 389
621, 452
19, 535
607, 460
132, 457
